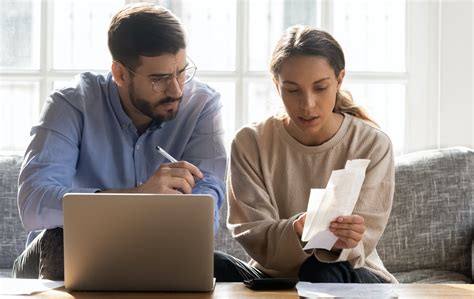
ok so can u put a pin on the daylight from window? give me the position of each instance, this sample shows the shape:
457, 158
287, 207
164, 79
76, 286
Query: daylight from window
45, 43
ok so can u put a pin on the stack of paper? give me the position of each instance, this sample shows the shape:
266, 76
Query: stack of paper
338, 199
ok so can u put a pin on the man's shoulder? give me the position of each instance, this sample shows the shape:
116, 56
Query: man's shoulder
197, 88
82, 89
84, 83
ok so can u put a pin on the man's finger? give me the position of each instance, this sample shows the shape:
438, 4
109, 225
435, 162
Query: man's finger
190, 167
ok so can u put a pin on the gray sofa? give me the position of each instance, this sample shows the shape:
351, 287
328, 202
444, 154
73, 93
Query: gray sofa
428, 238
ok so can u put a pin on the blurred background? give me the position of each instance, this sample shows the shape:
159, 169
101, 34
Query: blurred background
408, 62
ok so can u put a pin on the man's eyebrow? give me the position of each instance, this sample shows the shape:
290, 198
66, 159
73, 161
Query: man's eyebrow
162, 75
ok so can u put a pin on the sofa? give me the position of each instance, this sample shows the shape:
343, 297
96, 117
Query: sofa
428, 238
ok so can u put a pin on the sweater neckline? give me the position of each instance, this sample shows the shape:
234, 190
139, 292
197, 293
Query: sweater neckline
296, 145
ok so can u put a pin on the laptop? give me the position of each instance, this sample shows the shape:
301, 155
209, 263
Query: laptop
138, 242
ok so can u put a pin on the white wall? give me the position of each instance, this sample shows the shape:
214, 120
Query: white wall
456, 73
440, 90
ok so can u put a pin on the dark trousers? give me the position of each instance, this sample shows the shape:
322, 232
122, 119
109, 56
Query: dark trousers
44, 258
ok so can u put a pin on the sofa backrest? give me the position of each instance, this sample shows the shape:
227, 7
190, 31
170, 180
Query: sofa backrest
12, 233
224, 241
431, 226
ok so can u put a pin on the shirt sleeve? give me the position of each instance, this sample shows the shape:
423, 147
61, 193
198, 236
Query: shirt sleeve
49, 165
253, 216
374, 204
206, 150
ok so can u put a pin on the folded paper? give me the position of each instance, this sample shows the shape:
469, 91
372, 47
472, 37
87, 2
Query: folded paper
338, 199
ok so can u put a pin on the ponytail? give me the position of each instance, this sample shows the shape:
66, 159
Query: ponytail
345, 104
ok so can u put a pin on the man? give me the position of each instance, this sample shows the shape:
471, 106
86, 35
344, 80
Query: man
99, 134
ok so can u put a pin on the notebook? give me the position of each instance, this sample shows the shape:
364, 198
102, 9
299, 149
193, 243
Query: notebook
138, 242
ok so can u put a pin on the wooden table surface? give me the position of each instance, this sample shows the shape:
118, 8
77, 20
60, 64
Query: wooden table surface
238, 290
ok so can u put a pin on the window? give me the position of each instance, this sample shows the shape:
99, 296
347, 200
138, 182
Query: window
230, 42
376, 75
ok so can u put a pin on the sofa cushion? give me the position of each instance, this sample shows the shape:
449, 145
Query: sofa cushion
430, 226
431, 276
13, 236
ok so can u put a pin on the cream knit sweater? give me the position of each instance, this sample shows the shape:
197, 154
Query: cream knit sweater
268, 187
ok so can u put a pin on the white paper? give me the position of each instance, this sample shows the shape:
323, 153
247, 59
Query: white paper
17, 286
325, 205
345, 290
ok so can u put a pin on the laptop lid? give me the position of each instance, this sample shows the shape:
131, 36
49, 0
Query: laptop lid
138, 242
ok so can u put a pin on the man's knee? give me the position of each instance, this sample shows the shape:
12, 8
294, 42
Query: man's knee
52, 255
26, 265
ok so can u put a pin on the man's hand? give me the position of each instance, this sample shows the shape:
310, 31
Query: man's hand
171, 178
349, 230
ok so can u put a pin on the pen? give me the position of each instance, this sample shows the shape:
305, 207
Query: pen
171, 159
165, 154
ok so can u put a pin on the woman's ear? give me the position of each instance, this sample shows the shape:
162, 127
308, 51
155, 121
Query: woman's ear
340, 78
118, 73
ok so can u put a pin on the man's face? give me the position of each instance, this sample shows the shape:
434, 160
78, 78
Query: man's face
153, 90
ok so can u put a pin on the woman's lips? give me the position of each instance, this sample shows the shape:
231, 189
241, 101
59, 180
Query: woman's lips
308, 120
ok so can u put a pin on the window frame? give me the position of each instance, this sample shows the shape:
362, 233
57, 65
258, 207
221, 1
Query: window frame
419, 81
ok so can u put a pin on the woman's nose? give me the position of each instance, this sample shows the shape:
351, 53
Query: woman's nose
308, 100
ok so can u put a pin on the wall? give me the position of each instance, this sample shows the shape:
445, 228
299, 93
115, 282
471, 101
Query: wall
456, 73
439, 108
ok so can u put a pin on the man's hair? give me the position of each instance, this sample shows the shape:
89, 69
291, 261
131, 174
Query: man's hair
144, 29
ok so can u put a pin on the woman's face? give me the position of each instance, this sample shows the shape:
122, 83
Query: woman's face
308, 86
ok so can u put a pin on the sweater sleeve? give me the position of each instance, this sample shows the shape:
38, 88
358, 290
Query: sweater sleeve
253, 215
374, 204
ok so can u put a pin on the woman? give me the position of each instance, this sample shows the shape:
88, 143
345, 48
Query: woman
274, 164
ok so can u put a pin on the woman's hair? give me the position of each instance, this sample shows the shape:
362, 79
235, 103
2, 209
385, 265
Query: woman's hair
144, 29
304, 40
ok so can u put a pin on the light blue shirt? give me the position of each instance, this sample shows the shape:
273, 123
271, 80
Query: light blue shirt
85, 142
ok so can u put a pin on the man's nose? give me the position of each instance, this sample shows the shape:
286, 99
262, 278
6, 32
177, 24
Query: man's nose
174, 89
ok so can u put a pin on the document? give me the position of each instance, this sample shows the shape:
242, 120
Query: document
17, 286
345, 290
338, 199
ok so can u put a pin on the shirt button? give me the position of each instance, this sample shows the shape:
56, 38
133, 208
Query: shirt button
137, 147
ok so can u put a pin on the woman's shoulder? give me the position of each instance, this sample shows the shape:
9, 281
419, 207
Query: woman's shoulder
365, 132
259, 130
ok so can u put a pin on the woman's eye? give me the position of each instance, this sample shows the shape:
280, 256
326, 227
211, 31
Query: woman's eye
293, 90
320, 88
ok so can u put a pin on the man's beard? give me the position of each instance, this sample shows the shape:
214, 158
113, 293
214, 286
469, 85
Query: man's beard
148, 109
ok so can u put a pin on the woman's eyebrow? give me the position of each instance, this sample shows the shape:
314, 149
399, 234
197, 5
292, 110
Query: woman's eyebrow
315, 82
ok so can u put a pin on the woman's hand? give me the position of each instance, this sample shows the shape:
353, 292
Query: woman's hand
298, 224
349, 230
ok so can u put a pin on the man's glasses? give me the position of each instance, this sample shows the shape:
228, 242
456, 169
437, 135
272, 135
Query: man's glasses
160, 83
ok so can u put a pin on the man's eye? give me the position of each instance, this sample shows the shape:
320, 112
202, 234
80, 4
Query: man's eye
160, 79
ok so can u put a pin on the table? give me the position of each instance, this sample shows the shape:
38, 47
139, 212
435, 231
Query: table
238, 290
